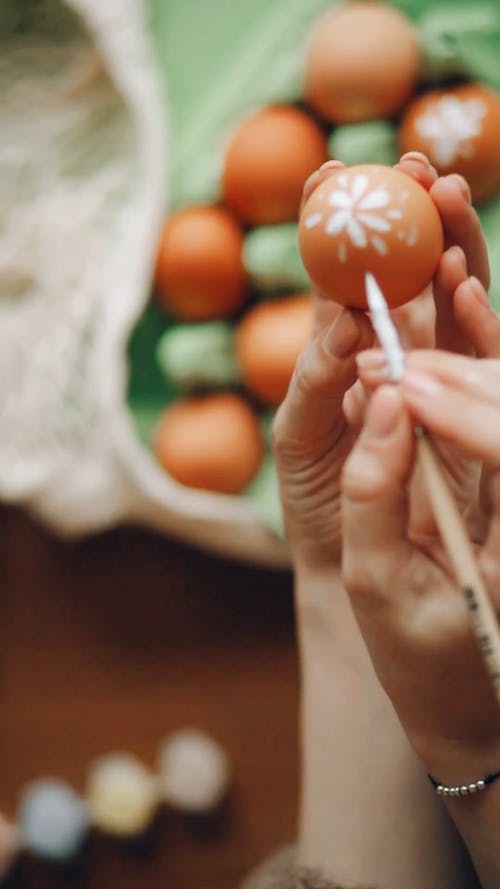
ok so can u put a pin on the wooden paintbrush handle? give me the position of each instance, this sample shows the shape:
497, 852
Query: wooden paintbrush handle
461, 554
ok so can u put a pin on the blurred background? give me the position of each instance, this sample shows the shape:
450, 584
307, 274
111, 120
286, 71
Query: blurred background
113, 643
152, 305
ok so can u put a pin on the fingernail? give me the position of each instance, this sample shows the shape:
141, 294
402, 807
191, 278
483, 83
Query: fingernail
343, 336
330, 165
313, 177
479, 291
416, 156
373, 359
460, 255
383, 413
462, 185
417, 383
458, 251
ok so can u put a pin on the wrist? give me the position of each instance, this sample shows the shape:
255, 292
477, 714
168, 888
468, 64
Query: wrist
456, 763
314, 561
475, 812
318, 585
325, 619
334, 659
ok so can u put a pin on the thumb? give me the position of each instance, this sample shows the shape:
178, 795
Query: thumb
374, 506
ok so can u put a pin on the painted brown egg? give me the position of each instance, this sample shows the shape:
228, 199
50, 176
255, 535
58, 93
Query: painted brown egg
370, 218
459, 130
267, 160
199, 270
269, 340
210, 442
363, 62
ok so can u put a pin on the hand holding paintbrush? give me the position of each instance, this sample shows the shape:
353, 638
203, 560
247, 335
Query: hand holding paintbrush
448, 519
405, 578
366, 226
345, 468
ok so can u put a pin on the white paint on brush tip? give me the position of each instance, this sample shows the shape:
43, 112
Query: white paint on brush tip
385, 329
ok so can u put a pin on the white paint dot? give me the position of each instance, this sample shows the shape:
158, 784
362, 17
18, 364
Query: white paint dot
412, 235
380, 245
313, 220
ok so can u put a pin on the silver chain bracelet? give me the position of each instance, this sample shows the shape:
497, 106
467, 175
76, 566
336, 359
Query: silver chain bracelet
464, 789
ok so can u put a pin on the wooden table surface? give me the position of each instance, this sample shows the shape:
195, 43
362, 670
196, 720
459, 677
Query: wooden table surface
113, 642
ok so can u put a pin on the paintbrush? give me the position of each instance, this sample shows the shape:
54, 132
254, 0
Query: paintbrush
448, 518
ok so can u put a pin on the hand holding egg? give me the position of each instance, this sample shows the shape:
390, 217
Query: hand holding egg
370, 218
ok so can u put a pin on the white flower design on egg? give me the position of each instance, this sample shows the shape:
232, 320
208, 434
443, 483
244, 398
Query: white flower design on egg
364, 214
451, 127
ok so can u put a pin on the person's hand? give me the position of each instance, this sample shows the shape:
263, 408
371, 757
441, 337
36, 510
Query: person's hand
318, 422
477, 332
412, 615
346, 718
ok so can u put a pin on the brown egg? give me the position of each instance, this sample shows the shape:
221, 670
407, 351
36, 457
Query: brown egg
370, 218
211, 442
459, 130
267, 161
269, 340
199, 270
363, 62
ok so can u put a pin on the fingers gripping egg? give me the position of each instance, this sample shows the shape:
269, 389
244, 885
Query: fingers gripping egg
370, 218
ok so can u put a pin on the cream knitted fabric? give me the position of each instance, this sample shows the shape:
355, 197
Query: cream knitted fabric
280, 872
83, 165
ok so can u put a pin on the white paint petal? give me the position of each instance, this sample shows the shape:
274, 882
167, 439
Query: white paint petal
430, 126
412, 236
356, 233
340, 198
342, 253
475, 108
445, 152
395, 214
343, 180
313, 220
377, 223
451, 127
337, 221
359, 186
380, 245
375, 199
